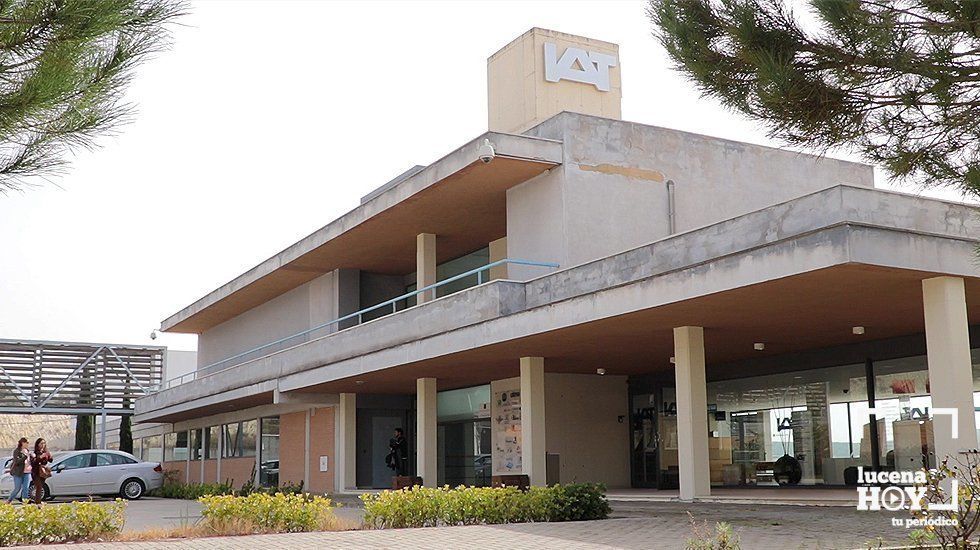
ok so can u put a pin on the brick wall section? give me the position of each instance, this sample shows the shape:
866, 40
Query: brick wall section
211, 471
237, 470
321, 444
292, 443
195, 471
179, 466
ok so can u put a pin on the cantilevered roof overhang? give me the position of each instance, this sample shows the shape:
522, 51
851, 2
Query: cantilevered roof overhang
796, 276
459, 197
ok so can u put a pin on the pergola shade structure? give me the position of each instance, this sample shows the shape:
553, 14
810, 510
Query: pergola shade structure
38, 377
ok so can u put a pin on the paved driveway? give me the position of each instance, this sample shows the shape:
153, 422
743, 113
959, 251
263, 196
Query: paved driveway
662, 525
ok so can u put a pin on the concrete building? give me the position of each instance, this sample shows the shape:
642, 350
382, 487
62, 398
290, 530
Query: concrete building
573, 297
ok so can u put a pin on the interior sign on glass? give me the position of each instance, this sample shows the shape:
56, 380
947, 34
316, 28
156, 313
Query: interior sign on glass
578, 65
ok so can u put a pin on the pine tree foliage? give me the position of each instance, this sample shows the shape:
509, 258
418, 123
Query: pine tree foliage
899, 80
64, 67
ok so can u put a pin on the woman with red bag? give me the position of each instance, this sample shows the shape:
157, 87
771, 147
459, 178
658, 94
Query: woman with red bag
40, 470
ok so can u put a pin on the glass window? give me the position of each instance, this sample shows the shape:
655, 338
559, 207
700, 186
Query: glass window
232, 440
240, 439
83, 460
269, 453
841, 443
250, 432
152, 451
175, 447
464, 435
196, 444
112, 459
212, 438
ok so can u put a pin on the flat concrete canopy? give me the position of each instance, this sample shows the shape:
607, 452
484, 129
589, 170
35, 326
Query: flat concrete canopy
459, 197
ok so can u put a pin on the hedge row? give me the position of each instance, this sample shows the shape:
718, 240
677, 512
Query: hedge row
70, 522
427, 507
265, 513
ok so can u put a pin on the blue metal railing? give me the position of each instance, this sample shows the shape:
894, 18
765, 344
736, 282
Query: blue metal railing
303, 336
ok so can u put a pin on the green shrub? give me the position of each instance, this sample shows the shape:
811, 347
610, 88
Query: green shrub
192, 491
174, 488
264, 513
425, 507
581, 501
75, 521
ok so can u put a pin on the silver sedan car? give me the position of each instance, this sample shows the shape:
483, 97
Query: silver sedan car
96, 472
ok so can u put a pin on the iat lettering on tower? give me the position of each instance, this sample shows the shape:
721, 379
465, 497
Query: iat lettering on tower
578, 65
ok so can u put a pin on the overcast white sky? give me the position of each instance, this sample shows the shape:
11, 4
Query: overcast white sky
266, 121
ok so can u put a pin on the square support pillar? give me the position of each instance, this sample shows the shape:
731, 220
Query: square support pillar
345, 443
692, 413
533, 442
498, 251
426, 428
425, 265
950, 366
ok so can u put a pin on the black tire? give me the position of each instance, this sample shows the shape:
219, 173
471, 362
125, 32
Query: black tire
45, 496
132, 489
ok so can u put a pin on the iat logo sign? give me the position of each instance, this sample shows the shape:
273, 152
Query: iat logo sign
578, 65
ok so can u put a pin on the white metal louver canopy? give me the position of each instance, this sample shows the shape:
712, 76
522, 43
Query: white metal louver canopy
43, 377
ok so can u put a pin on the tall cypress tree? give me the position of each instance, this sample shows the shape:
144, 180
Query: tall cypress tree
84, 428
896, 80
126, 434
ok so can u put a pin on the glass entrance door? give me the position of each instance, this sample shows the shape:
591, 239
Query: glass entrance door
644, 454
667, 437
653, 416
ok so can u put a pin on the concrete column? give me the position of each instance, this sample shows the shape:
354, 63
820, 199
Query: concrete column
498, 251
425, 265
692, 413
345, 443
426, 428
950, 367
533, 442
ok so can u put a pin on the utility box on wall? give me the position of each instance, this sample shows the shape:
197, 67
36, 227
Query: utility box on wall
544, 72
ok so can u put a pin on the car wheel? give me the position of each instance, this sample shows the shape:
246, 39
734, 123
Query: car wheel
132, 489
45, 496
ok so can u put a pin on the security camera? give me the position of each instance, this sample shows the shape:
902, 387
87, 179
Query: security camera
486, 152
153, 335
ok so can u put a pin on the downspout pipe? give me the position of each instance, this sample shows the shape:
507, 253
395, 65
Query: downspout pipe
671, 210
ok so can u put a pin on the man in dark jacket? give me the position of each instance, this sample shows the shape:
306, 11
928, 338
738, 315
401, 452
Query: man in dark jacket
397, 458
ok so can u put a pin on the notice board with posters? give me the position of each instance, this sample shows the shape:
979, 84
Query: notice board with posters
505, 424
